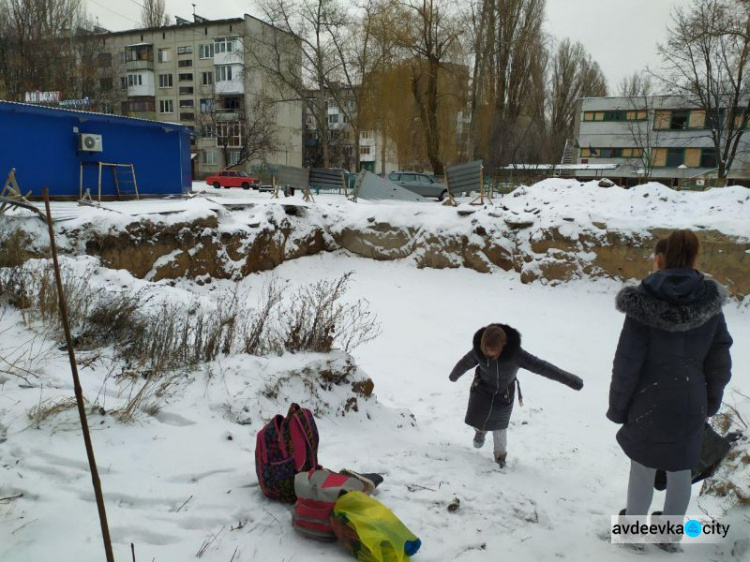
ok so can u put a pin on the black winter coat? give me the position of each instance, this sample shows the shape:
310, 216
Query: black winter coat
671, 367
493, 389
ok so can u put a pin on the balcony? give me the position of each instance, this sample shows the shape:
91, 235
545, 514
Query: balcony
229, 115
139, 65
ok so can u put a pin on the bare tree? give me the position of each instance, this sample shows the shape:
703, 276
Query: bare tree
153, 14
573, 75
243, 134
706, 55
36, 45
295, 52
430, 35
642, 108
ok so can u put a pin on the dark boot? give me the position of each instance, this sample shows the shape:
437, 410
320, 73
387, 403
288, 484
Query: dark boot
479, 439
500, 459
672, 544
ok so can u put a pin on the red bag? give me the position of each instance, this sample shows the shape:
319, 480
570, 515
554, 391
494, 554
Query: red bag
284, 447
317, 491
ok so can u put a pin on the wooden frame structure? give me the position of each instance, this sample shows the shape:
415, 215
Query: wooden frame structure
114, 167
11, 196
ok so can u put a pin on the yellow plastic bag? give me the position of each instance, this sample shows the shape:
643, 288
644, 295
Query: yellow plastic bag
371, 531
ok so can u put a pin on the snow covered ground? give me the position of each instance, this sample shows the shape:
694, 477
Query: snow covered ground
183, 481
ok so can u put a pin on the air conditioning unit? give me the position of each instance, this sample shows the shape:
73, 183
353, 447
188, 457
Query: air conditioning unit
90, 143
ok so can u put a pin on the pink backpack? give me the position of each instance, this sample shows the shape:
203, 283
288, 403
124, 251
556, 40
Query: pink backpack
284, 447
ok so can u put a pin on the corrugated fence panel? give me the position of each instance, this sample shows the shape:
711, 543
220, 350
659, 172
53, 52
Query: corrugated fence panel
326, 179
464, 177
372, 186
291, 176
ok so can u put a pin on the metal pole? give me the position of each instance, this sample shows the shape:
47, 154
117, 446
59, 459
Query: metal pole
77, 385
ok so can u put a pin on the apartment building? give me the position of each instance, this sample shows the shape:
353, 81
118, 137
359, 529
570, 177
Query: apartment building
658, 137
375, 154
200, 74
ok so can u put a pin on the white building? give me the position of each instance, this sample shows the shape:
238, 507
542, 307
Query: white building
197, 74
658, 137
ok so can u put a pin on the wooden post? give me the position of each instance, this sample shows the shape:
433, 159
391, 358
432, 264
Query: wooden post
77, 386
450, 201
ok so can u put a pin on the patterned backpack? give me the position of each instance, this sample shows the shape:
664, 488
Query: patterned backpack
284, 447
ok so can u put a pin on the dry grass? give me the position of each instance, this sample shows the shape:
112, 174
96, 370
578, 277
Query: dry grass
48, 409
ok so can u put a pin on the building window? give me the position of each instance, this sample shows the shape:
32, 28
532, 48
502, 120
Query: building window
234, 157
163, 55
207, 105
186, 77
225, 45
186, 90
230, 133
188, 50
675, 157
208, 158
104, 60
187, 103
708, 158
123, 82
185, 63
364, 150
679, 120
187, 116
166, 106
206, 51
123, 57
207, 78
165, 80
105, 84
333, 119
208, 132
223, 73
135, 80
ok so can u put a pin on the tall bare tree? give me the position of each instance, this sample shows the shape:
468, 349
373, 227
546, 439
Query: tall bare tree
707, 59
37, 38
429, 33
573, 75
299, 58
153, 14
642, 105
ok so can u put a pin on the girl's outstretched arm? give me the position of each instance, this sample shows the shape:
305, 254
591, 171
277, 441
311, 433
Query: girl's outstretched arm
540, 367
467, 362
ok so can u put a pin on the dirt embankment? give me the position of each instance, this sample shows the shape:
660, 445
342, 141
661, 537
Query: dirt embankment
201, 250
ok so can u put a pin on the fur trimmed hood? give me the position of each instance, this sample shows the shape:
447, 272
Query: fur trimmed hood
512, 346
644, 305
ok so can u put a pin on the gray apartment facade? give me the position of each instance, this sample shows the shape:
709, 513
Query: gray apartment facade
199, 74
659, 138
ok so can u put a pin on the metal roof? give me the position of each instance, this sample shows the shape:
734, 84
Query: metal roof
52, 111
560, 167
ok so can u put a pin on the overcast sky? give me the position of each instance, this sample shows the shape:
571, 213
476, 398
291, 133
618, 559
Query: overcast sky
621, 35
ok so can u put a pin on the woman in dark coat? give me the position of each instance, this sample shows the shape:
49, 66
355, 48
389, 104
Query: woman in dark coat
497, 355
670, 370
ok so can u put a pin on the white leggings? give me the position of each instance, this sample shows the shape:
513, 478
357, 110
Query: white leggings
641, 490
499, 439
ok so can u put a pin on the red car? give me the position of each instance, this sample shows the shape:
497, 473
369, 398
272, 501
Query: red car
233, 178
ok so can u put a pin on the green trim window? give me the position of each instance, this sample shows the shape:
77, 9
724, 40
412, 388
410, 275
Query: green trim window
610, 152
675, 157
616, 115
708, 158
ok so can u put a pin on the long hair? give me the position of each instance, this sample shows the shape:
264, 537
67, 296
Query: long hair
682, 249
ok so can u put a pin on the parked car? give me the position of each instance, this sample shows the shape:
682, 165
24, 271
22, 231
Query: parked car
233, 178
421, 184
